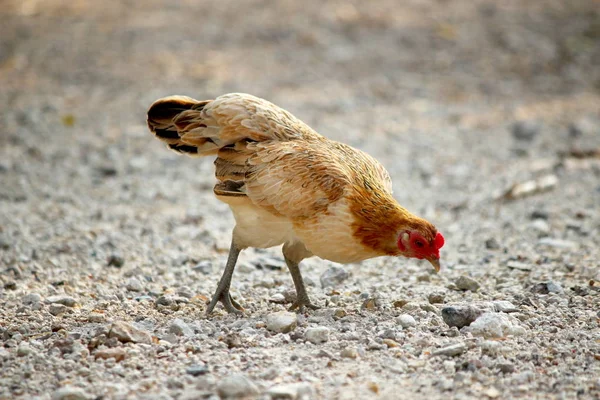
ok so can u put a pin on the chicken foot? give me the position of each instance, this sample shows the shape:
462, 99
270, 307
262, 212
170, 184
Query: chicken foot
222, 293
302, 299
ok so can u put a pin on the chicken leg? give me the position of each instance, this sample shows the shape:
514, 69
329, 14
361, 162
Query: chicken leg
222, 292
293, 254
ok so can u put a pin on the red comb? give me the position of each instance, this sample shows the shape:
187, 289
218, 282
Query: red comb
439, 241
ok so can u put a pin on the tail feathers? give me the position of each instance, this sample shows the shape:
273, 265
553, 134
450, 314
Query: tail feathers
177, 121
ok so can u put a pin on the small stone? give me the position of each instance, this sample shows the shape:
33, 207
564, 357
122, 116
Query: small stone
115, 260
370, 303
62, 299
349, 352
31, 298
406, 321
400, 303
436, 298
334, 276
57, 309
70, 393
4, 242
277, 298
466, 283
492, 392
180, 328
541, 226
282, 322
10, 285
539, 214
164, 300
504, 306
23, 350
521, 266
291, 391
196, 370
492, 244
117, 353
269, 263
460, 316
506, 368
557, 243
205, 267
126, 332
237, 386
185, 292
391, 343
547, 287
319, 334
525, 130
96, 317
134, 285
495, 325
453, 350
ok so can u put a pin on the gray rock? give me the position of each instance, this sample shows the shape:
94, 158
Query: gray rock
24, 349
452, 350
334, 276
277, 298
125, 332
62, 299
495, 325
466, 283
504, 306
31, 298
180, 328
525, 130
319, 334
506, 367
541, 226
164, 300
57, 309
205, 267
282, 322
539, 214
291, 391
273, 264
460, 316
406, 321
70, 393
115, 260
196, 369
237, 386
547, 287
492, 244
557, 243
521, 266
134, 285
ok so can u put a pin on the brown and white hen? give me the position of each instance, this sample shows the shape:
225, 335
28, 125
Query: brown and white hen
286, 184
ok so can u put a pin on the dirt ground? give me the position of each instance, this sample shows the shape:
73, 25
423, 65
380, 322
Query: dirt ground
110, 244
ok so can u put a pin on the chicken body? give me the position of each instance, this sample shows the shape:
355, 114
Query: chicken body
286, 184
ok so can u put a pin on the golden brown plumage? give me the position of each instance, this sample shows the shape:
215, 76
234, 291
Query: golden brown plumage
286, 184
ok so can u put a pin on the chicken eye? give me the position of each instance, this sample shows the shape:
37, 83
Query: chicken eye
419, 244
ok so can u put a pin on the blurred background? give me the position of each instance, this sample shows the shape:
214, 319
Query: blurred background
461, 100
486, 114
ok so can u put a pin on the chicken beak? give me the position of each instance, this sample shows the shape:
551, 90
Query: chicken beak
435, 262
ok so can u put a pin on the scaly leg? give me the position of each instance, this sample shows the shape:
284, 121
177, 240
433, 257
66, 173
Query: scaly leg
222, 292
293, 254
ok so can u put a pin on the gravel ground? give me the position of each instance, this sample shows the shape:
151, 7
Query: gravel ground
485, 113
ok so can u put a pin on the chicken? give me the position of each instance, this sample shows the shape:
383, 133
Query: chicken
287, 185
